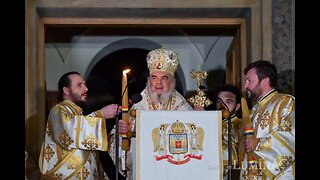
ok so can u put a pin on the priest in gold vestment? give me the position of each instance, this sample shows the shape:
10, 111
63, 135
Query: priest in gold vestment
273, 126
72, 139
230, 97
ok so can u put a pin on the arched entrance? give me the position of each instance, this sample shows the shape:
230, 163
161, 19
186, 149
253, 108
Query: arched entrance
204, 24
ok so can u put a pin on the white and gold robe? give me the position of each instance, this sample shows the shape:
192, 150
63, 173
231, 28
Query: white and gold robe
71, 142
234, 142
273, 120
176, 102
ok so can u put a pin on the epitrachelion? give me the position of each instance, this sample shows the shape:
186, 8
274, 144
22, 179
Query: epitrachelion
178, 145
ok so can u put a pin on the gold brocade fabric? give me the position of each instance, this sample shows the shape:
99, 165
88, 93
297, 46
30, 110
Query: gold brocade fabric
71, 142
273, 120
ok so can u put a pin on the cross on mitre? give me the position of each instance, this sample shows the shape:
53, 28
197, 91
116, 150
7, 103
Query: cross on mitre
199, 101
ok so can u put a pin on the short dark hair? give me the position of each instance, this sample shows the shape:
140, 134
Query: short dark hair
229, 88
264, 69
233, 90
64, 81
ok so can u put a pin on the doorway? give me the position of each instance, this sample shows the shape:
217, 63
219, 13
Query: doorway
137, 39
127, 23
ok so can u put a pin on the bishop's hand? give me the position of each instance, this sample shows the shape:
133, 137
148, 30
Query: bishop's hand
123, 127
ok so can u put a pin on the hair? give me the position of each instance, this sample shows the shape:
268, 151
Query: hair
233, 90
64, 81
229, 88
264, 69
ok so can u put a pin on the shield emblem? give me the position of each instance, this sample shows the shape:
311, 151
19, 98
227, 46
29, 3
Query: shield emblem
178, 143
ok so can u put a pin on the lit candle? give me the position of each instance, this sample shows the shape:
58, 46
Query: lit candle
125, 115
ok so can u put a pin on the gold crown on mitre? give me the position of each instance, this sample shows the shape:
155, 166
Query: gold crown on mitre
162, 60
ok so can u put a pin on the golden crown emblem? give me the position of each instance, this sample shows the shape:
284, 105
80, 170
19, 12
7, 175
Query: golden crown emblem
162, 60
177, 127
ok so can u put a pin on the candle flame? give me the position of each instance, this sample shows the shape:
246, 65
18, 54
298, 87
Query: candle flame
126, 71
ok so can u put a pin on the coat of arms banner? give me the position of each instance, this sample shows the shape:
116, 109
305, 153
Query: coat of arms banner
178, 145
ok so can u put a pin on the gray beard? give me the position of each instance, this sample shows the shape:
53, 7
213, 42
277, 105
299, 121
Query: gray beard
161, 98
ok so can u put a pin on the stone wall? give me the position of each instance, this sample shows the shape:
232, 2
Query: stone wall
283, 43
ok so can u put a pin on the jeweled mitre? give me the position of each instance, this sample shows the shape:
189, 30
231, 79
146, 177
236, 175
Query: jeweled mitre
162, 60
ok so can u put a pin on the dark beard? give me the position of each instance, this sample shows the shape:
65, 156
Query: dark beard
81, 104
253, 98
77, 100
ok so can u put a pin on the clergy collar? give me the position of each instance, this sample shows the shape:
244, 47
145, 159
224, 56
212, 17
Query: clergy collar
261, 100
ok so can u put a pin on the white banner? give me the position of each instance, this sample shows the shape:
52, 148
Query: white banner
175, 145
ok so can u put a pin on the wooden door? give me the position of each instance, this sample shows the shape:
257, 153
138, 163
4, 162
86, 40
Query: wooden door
233, 63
